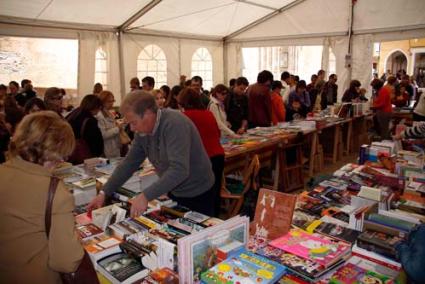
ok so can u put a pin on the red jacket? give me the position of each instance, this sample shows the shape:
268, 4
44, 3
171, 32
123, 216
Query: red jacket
278, 110
383, 100
208, 130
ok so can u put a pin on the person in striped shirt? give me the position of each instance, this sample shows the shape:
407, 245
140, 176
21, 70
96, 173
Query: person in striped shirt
417, 131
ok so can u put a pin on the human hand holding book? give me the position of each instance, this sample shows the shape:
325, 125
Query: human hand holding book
139, 204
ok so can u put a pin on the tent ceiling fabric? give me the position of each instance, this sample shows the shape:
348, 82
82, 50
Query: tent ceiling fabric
100, 12
217, 18
277, 4
211, 18
389, 14
220, 19
308, 17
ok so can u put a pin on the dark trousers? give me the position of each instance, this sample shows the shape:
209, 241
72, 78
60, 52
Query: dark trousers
207, 203
383, 119
417, 117
217, 163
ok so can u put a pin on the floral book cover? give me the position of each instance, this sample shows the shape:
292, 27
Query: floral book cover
352, 274
244, 267
321, 249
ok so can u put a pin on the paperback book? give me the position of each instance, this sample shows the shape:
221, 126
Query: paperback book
321, 249
244, 267
88, 231
352, 274
122, 268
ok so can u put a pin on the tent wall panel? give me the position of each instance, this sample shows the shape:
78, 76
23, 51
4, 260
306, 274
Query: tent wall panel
89, 42
134, 44
28, 31
188, 47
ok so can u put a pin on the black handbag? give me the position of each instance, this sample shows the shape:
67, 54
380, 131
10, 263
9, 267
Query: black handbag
85, 273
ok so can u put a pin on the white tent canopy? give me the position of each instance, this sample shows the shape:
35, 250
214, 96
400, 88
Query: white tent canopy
223, 27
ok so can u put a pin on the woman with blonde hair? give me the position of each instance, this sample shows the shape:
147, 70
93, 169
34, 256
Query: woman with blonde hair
29, 252
159, 98
109, 127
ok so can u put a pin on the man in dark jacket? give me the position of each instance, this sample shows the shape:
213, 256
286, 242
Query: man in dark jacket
237, 106
329, 93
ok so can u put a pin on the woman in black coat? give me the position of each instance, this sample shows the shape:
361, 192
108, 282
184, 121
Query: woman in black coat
84, 125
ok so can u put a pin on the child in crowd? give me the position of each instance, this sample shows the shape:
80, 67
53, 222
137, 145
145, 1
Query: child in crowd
296, 110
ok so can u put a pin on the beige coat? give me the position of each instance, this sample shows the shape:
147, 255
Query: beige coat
26, 255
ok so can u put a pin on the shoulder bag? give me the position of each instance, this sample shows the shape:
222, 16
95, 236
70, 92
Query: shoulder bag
85, 273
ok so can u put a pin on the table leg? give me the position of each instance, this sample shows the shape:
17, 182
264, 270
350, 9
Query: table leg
313, 150
349, 131
335, 145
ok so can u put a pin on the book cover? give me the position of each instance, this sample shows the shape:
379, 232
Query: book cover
307, 268
144, 221
380, 250
85, 182
391, 222
177, 210
302, 219
244, 267
273, 213
352, 274
196, 216
212, 222
337, 231
198, 251
324, 250
89, 230
375, 257
380, 238
185, 224
292, 279
159, 216
100, 243
122, 268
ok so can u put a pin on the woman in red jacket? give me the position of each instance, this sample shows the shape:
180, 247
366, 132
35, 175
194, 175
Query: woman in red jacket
191, 104
383, 107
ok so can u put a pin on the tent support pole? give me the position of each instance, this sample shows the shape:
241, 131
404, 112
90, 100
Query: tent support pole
121, 64
225, 65
350, 39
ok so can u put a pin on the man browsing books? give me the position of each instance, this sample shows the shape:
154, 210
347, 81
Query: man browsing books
173, 145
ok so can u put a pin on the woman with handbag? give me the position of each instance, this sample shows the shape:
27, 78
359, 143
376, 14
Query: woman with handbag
38, 241
89, 140
110, 127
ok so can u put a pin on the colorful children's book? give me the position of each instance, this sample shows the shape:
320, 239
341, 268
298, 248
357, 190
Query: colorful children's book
352, 274
295, 264
244, 267
321, 249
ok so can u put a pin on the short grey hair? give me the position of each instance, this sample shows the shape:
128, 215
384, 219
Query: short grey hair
138, 102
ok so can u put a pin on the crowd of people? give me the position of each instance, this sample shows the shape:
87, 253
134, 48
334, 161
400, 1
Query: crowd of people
235, 108
175, 128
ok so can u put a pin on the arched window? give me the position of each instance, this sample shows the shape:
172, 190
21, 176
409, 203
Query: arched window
152, 62
332, 63
101, 68
202, 66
